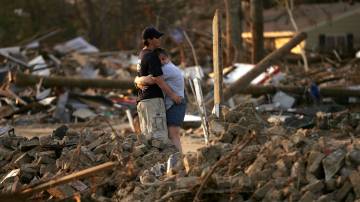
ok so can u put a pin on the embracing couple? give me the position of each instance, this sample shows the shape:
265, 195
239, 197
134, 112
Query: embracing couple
161, 101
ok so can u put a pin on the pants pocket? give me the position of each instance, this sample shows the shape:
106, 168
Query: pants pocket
158, 122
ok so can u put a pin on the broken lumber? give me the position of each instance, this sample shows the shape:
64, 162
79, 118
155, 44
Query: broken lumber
260, 67
217, 63
68, 178
13, 59
22, 79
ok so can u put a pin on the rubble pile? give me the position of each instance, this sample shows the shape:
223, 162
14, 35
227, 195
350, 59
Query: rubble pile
267, 151
57, 84
28, 162
279, 163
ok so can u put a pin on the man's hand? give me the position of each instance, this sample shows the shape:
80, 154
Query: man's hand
177, 99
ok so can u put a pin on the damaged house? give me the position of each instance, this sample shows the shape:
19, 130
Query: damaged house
329, 27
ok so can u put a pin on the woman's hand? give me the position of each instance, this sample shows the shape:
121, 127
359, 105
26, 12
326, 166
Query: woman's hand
177, 99
143, 82
141, 86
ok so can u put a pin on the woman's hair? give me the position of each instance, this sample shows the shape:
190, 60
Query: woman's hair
159, 51
146, 43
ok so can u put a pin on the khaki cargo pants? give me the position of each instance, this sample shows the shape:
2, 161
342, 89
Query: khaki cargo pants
152, 118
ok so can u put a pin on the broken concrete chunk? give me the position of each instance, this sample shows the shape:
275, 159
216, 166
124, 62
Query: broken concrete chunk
95, 143
158, 169
157, 143
186, 182
314, 187
101, 149
256, 166
330, 185
350, 197
217, 128
343, 191
46, 160
147, 177
298, 171
61, 191
45, 140
209, 154
47, 168
89, 154
140, 150
264, 175
24, 159
189, 161
235, 130
246, 183
70, 140
326, 198
50, 154
261, 192
355, 181
273, 195
27, 173
30, 144
223, 182
78, 185
5, 153
333, 162
307, 197
354, 157
10, 142
314, 162
298, 137
60, 132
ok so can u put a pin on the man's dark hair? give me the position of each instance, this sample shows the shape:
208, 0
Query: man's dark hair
159, 51
150, 33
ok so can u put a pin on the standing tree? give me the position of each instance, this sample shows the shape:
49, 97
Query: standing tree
257, 29
228, 41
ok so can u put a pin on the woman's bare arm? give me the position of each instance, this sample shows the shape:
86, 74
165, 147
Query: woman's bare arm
144, 80
167, 89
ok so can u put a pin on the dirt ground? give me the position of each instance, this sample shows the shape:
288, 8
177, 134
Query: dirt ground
189, 143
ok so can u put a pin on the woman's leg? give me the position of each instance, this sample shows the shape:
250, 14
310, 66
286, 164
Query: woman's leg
175, 117
174, 135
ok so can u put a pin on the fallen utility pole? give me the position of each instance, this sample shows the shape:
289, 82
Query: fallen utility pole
22, 79
68, 178
324, 91
260, 67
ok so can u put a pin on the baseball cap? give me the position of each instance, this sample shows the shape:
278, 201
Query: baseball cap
151, 32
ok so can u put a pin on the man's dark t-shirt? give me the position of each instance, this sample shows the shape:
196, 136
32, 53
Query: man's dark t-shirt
150, 64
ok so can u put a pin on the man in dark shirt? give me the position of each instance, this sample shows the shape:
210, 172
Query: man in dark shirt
150, 64
151, 107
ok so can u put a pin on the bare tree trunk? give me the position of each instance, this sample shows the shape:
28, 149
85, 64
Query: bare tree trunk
237, 18
257, 29
92, 20
293, 22
233, 31
228, 33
